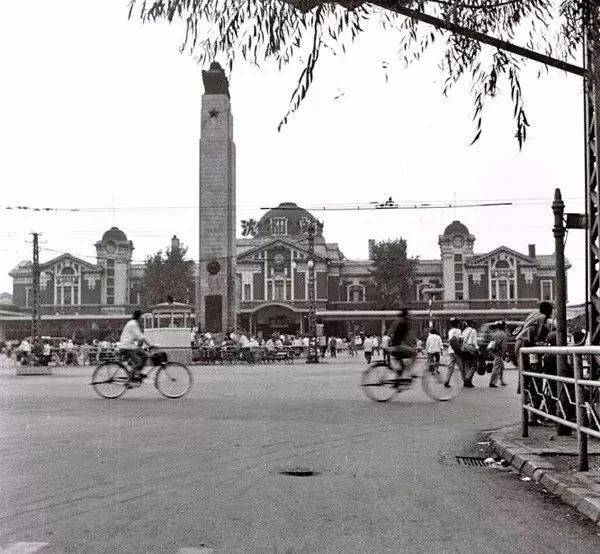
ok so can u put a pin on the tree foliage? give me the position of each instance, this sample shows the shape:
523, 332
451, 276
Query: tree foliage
286, 30
169, 274
393, 274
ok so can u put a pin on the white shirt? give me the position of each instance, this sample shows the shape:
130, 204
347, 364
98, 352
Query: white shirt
25, 346
385, 341
368, 345
454, 332
131, 335
46, 351
469, 336
305, 341
243, 341
434, 344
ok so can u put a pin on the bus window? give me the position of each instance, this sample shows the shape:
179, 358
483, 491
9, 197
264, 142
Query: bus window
165, 320
178, 320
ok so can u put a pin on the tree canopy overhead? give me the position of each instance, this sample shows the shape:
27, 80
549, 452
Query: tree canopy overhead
288, 30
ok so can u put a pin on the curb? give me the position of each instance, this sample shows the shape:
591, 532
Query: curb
539, 470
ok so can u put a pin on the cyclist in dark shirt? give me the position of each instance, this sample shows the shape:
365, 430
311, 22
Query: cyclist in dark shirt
399, 347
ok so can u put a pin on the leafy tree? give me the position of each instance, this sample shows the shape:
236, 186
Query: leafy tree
169, 274
288, 30
393, 274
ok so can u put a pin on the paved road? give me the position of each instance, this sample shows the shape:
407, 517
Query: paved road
148, 474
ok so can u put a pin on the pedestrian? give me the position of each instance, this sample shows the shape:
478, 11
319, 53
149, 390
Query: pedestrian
385, 344
351, 345
534, 330
453, 344
333, 347
322, 341
433, 348
368, 349
497, 347
375, 345
469, 352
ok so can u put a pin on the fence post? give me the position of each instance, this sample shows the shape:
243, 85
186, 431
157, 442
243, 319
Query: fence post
524, 414
581, 416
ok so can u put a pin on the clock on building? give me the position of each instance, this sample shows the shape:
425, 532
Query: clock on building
458, 241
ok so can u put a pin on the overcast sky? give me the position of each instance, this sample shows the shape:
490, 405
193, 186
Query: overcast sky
100, 112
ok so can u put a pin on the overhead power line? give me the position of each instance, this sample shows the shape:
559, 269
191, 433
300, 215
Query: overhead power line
348, 206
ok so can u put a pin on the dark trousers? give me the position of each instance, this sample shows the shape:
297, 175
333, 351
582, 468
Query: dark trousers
368, 356
136, 357
333, 352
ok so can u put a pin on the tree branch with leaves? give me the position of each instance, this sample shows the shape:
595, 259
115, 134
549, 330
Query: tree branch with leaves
287, 30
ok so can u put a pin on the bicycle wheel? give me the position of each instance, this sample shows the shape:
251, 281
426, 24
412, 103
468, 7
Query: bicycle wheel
109, 380
173, 380
434, 384
379, 382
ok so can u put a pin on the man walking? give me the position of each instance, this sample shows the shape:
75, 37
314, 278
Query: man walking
368, 349
497, 348
333, 347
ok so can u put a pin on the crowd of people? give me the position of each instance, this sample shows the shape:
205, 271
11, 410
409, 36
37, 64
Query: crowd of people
46, 351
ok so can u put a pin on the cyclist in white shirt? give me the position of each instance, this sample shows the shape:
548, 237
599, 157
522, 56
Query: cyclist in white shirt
130, 342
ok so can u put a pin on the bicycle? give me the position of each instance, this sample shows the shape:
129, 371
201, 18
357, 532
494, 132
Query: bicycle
113, 377
381, 383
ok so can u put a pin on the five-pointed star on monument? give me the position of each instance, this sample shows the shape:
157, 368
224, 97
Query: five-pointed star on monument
213, 113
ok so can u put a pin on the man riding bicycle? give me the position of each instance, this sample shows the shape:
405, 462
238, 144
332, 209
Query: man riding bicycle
399, 348
130, 342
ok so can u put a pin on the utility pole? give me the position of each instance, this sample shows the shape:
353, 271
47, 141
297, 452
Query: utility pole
36, 324
559, 231
311, 228
591, 95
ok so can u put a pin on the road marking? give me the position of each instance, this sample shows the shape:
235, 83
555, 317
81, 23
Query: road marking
23, 547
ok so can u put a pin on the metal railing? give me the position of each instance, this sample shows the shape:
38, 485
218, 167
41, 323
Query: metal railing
573, 402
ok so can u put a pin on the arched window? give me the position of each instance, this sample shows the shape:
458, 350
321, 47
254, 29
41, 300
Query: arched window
67, 289
355, 293
503, 281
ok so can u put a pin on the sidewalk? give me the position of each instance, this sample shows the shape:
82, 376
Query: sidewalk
551, 461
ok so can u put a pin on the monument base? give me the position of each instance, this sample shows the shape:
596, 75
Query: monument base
34, 370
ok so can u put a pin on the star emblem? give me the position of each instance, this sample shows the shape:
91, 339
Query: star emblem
213, 113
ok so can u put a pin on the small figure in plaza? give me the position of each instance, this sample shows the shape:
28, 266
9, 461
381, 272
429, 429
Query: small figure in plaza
385, 345
46, 354
469, 352
433, 348
322, 342
333, 347
351, 345
454, 346
375, 340
497, 347
368, 349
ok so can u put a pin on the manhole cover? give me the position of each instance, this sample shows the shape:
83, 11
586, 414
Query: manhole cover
298, 471
471, 461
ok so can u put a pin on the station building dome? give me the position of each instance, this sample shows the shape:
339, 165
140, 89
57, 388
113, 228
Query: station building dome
456, 228
115, 234
284, 220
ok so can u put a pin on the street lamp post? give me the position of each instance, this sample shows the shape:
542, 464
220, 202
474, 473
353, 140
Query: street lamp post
311, 227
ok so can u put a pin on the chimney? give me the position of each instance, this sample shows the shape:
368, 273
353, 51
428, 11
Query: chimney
371, 248
532, 250
175, 243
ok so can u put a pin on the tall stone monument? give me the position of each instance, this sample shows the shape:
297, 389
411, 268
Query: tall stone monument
215, 302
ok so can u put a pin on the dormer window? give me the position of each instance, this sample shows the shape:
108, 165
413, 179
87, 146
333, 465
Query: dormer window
279, 226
